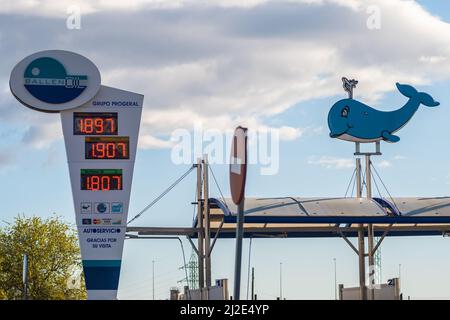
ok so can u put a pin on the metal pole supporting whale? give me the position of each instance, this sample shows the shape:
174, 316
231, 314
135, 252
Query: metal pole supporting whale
355, 121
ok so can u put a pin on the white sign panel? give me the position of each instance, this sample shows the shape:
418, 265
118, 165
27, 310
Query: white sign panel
54, 80
101, 140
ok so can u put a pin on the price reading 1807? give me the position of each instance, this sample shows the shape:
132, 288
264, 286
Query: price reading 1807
95, 123
101, 179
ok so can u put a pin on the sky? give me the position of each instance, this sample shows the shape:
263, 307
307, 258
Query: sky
268, 65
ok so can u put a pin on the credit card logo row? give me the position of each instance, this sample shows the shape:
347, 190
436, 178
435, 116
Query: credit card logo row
101, 207
105, 222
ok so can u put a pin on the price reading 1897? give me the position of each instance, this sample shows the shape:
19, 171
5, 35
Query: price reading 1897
95, 123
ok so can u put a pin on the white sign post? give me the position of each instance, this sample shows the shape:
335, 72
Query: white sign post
101, 140
101, 128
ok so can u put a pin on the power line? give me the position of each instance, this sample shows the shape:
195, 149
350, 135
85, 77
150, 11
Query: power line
349, 183
163, 193
389, 194
218, 187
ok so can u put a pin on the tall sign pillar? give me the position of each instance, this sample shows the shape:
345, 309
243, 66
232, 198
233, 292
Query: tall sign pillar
101, 127
101, 141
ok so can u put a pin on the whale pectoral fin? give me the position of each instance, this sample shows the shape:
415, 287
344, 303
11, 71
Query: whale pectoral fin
390, 137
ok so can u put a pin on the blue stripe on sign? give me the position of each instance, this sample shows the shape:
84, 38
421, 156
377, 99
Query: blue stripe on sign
101, 274
102, 263
54, 94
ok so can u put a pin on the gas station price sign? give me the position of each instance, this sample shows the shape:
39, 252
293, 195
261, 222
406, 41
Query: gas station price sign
109, 148
59, 81
95, 123
101, 179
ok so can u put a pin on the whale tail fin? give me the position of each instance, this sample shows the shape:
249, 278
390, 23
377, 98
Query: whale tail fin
411, 92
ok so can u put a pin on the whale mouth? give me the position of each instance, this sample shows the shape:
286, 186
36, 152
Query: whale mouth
335, 135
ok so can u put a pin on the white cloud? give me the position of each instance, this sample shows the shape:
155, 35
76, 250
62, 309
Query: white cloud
332, 162
150, 142
432, 59
225, 63
52, 8
289, 133
43, 135
384, 164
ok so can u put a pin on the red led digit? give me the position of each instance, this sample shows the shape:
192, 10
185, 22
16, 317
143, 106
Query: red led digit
119, 184
95, 183
122, 146
106, 183
99, 125
101, 150
111, 125
110, 150
88, 126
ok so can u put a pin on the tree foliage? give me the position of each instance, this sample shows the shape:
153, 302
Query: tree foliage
54, 267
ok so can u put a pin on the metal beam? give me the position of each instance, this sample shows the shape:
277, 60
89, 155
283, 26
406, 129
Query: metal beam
161, 231
193, 245
332, 229
215, 237
349, 243
230, 228
381, 239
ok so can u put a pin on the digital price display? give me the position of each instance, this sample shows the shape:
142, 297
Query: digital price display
101, 179
107, 148
95, 123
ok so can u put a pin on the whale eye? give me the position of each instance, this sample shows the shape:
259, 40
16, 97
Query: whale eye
345, 111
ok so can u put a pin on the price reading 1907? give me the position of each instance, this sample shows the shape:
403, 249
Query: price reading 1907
107, 148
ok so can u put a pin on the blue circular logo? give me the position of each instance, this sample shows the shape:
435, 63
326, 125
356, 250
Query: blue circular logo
46, 79
101, 208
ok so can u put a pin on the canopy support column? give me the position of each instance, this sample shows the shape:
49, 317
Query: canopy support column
362, 263
201, 231
207, 223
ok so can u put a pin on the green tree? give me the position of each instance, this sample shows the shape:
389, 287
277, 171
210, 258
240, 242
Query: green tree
53, 255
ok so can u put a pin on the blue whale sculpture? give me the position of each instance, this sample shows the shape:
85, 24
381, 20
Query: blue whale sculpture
355, 121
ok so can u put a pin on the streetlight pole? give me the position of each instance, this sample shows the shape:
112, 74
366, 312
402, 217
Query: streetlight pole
25, 277
153, 276
281, 281
253, 284
335, 280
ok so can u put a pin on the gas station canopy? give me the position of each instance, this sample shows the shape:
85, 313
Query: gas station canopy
331, 217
